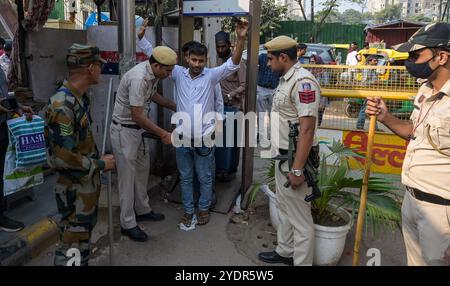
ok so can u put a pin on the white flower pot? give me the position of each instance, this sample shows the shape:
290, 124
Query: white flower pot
273, 206
329, 241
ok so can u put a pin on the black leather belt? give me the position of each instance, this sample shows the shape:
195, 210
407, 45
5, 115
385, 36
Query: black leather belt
266, 86
426, 197
132, 126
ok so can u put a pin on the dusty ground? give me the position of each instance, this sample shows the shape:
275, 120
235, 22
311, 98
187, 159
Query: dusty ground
257, 235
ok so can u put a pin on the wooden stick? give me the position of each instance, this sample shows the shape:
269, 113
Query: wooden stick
364, 189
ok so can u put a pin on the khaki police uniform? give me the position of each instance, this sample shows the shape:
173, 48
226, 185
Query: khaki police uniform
426, 167
426, 226
136, 89
297, 95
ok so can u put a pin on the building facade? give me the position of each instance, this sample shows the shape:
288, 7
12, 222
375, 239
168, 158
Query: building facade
427, 8
294, 10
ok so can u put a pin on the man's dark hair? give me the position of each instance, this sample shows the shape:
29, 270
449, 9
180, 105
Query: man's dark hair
223, 36
355, 43
198, 49
371, 57
2, 41
439, 49
186, 47
152, 60
291, 53
301, 47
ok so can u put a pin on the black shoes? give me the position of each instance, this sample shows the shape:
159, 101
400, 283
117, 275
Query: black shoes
151, 216
135, 233
10, 225
273, 257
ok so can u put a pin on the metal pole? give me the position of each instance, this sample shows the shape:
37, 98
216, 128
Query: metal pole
445, 13
127, 36
364, 189
250, 99
113, 10
23, 71
109, 186
440, 10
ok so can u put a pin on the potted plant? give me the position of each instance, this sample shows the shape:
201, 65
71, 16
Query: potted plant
334, 211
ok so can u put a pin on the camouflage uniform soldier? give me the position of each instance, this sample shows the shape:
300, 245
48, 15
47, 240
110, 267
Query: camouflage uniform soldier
74, 155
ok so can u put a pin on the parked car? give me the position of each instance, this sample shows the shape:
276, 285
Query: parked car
326, 52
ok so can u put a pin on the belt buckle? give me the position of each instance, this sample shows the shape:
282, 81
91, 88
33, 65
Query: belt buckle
411, 191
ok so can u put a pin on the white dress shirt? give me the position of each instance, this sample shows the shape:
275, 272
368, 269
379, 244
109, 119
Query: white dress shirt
196, 97
147, 49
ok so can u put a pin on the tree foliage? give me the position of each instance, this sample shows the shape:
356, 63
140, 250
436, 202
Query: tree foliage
390, 13
271, 15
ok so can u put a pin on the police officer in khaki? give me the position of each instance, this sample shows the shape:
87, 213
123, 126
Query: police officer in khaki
136, 91
426, 168
296, 99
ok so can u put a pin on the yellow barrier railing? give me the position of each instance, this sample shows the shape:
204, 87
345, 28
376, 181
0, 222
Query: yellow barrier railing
364, 78
344, 89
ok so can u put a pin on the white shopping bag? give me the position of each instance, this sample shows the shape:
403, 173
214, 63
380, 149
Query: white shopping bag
25, 155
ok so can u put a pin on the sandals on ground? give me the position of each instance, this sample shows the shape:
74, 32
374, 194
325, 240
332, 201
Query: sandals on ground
203, 217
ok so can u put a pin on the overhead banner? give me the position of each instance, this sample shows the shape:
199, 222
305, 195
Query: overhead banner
216, 7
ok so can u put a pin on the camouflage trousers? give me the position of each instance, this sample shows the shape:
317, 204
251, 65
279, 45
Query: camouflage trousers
78, 205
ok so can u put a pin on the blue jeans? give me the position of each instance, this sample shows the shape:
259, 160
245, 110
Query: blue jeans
188, 159
197, 184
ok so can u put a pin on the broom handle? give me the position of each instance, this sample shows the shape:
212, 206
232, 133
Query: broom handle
364, 189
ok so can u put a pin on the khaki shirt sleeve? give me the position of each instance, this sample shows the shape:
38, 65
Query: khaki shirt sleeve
416, 110
306, 98
138, 90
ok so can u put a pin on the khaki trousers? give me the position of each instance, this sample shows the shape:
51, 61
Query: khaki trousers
426, 231
133, 163
296, 229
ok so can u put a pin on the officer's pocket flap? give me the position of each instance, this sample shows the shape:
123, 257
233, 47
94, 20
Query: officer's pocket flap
440, 132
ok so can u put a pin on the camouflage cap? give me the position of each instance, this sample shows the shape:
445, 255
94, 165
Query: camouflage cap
79, 54
430, 36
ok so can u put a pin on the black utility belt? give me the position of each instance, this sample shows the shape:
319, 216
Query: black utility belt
285, 152
266, 86
132, 126
426, 197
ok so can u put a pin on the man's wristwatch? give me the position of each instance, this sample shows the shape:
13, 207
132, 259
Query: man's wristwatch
229, 96
297, 172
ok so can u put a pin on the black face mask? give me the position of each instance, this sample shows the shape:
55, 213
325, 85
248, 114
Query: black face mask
422, 70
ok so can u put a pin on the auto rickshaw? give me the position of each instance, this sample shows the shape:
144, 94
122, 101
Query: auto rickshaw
386, 77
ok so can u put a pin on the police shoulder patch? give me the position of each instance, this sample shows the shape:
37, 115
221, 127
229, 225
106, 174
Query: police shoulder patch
307, 95
306, 86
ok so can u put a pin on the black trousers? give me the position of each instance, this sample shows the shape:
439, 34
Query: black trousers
3, 147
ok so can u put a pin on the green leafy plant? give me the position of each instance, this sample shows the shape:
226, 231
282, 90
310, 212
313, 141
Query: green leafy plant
269, 179
339, 189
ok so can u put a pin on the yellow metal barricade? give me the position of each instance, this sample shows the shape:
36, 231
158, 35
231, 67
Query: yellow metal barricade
346, 87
